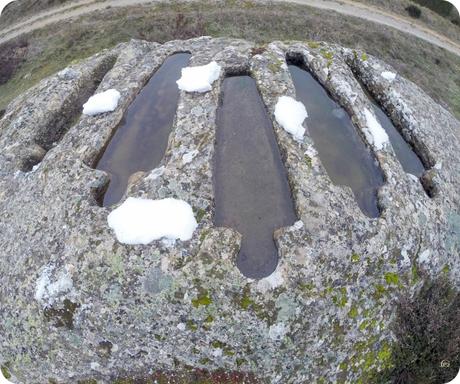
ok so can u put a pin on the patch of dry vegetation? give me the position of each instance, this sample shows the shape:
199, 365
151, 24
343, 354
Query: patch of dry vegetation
428, 17
12, 55
20, 10
50, 49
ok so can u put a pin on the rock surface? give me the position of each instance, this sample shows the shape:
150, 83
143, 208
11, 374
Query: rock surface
77, 305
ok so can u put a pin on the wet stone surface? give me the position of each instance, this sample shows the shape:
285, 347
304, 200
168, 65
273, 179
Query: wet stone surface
405, 154
340, 148
140, 142
76, 305
251, 189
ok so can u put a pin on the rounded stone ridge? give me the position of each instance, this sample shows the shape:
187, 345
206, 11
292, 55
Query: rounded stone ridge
76, 304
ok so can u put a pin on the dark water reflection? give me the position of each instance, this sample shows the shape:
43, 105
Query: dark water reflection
409, 160
341, 150
252, 193
141, 139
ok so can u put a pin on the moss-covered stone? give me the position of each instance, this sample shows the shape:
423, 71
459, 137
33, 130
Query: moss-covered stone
203, 299
391, 278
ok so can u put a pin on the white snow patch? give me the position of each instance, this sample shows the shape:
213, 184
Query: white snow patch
290, 114
140, 221
277, 331
271, 282
47, 291
390, 76
217, 352
375, 134
200, 78
188, 157
102, 102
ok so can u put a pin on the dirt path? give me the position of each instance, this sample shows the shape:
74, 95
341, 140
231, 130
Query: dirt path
345, 7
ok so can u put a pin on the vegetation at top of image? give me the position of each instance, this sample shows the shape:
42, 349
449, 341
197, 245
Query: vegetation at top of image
438, 15
13, 54
414, 11
45, 51
19, 10
443, 8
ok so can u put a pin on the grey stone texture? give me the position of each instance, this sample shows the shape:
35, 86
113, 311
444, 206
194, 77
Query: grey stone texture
75, 304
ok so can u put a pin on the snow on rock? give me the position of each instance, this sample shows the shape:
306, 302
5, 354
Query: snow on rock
375, 133
140, 221
290, 114
200, 78
102, 102
47, 290
390, 76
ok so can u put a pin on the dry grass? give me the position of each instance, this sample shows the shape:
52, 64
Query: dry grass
12, 55
54, 47
428, 17
19, 10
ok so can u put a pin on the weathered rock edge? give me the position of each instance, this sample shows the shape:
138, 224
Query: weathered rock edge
75, 304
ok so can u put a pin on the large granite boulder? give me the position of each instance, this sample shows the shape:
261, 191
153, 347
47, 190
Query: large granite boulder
78, 306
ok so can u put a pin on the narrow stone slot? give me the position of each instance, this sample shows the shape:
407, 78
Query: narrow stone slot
341, 150
252, 194
409, 160
66, 117
406, 154
141, 139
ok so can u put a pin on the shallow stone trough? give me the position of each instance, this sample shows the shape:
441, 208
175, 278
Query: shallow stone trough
76, 304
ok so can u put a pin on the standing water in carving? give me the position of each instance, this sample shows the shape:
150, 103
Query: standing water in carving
142, 137
252, 194
409, 160
340, 148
